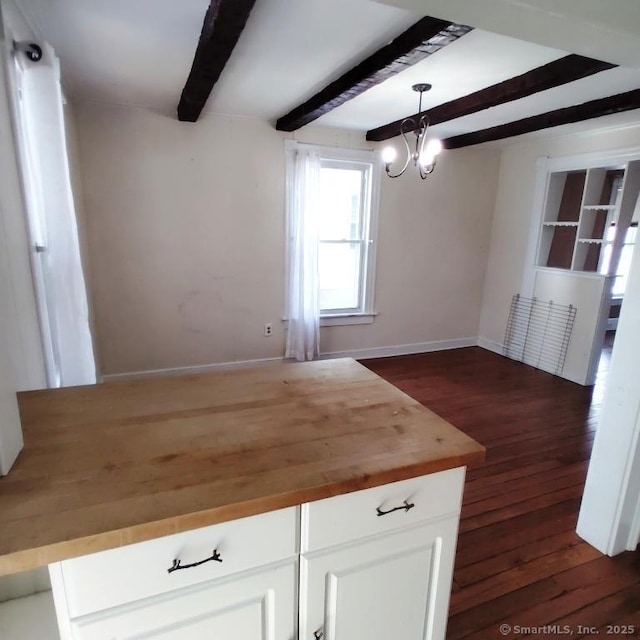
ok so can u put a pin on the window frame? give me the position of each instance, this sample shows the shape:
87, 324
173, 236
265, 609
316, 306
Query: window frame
363, 240
338, 157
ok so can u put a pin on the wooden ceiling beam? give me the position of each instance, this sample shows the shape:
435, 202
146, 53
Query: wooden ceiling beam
223, 24
553, 74
419, 41
568, 115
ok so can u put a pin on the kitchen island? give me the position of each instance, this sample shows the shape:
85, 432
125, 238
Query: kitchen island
280, 458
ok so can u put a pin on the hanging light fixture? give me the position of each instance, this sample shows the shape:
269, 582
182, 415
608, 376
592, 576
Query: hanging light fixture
424, 156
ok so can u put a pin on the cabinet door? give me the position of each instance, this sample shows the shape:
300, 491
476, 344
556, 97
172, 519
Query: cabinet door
256, 606
392, 586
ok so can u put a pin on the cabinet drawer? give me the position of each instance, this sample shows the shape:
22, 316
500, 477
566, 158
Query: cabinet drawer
356, 515
257, 605
110, 578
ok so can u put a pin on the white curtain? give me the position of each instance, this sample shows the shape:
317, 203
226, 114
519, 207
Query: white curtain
303, 184
58, 274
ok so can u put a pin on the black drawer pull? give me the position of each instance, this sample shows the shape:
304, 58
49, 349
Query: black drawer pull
215, 557
318, 634
404, 507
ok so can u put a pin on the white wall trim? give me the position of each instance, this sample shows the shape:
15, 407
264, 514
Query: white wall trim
490, 345
344, 153
402, 349
537, 211
593, 159
634, 530
201, 368
374, 352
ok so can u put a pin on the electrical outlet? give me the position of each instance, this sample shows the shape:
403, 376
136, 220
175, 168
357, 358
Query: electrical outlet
268, 329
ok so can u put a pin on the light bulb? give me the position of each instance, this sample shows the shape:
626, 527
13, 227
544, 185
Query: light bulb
428, 156
434, 147
388, 155
426, 159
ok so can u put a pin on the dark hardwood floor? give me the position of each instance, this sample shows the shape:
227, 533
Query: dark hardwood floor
519, 561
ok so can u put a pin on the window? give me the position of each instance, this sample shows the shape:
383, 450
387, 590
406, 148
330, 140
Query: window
331, 220
344, 237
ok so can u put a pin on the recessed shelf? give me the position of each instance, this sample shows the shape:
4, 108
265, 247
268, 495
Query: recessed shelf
579, 210
561, 223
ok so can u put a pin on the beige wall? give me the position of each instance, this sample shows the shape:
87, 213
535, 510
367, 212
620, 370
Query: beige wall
512, 220
185, 230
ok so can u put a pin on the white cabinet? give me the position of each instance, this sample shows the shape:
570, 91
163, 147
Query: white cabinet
245, 589
393, 586
258, 606
378, 563
374, 564
144, 570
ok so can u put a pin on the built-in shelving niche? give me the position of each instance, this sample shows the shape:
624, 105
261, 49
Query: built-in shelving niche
586, 212
582, 222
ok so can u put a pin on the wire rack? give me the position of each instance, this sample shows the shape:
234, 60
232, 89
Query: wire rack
538, 333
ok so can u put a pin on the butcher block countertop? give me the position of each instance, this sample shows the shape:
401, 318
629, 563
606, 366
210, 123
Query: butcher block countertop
116, 463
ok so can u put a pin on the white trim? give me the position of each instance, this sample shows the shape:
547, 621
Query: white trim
626, 521
626, 514
490, 345
60, 603
401, 349
201, 368
599, 333
340, 319
341, 153
634, 531
372, 234
537, 213
593, 159
573, 273
374, 352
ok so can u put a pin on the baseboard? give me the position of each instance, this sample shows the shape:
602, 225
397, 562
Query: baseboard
359, 354
498, 348
490, 345
202, 368
401, 349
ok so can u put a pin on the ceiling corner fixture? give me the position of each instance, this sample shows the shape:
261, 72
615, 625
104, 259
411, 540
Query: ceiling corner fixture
424, 156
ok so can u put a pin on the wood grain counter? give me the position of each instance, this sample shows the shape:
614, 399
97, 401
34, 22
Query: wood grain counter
122, 462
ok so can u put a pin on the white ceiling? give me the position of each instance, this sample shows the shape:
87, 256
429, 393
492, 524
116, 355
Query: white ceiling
603, 29
140, 52
454, 72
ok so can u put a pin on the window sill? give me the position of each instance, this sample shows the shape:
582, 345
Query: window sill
347, 318
341, 319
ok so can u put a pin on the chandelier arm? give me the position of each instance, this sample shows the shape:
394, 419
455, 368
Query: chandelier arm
409, 156
425, 171
424, 127
419, 128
